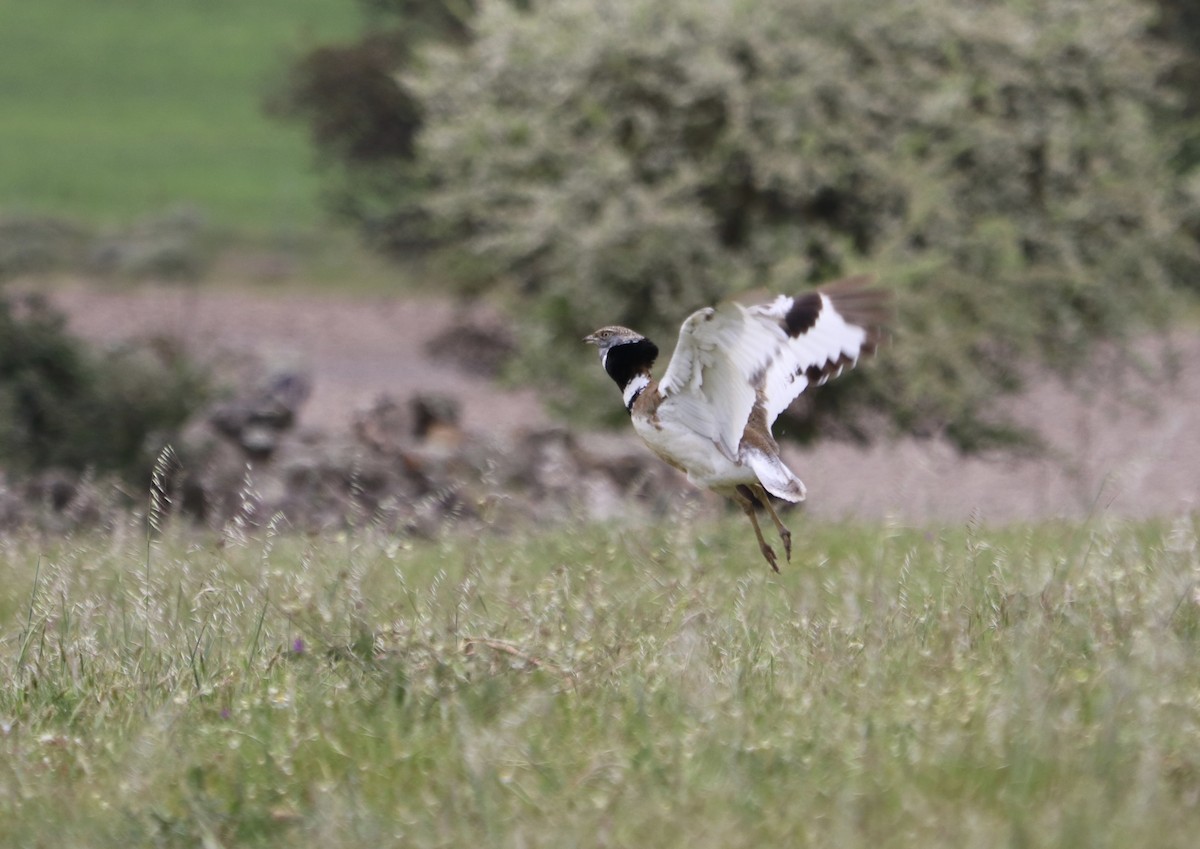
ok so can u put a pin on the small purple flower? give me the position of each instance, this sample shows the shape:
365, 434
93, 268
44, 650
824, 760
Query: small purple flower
298, 645
225, 713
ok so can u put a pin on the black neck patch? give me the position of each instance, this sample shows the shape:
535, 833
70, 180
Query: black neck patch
623, 362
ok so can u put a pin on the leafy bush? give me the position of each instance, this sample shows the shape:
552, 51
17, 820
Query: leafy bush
174, 244
363, 122
39, 244
1178, 25
997, 163
65, 406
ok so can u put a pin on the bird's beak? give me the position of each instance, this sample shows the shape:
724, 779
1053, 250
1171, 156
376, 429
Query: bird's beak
591, 339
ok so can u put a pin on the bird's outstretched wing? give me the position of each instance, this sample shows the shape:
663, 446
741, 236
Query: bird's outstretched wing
827, 332
730, 357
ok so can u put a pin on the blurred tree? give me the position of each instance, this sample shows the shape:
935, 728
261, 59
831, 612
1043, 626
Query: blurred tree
64, 406
1179, 26
363, 120
996, 162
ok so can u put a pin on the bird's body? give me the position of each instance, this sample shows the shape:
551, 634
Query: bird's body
734, 370
660, 424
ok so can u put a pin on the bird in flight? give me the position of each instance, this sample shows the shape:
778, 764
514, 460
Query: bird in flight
734, 370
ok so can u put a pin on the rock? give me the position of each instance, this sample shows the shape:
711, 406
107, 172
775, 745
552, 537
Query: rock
387, 426
256, 420
436, 418
406, 466
479, 347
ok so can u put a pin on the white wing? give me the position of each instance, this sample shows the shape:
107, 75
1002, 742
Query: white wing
826, 332
726, 356
719, 360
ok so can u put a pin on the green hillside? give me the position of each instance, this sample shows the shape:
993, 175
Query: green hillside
115, 110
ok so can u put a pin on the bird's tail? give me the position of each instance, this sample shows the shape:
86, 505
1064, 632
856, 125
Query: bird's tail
775, 477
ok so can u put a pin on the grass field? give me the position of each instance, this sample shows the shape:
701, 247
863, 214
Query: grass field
893, 687
116, 110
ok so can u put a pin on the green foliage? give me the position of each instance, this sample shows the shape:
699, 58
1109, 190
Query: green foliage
1178, 26
32, 245
588, 687
363, 120
174, 245
64, 406
998, 166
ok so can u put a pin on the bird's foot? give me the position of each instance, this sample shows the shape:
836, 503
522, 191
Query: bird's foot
769, 553
786, 536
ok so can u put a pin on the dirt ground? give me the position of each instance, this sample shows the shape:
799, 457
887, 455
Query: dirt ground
1123, 446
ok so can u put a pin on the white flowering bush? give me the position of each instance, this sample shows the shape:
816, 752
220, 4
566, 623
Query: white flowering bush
995, 162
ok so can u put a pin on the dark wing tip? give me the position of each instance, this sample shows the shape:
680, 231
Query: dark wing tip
862, 304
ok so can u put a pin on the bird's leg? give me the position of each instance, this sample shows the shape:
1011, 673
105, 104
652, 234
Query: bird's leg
784, 533
747, 505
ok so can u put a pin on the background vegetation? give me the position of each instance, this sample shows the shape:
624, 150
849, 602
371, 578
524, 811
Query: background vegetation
1007, 168
135, 143
116, 111
1022, 175
1178, 25
66, 407
891, 688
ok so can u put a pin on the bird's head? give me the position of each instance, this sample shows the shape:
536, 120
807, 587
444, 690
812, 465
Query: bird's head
624, 353
607, 338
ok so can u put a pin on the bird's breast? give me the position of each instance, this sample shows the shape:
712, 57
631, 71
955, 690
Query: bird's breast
690, 452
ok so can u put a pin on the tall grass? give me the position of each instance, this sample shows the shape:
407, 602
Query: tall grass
118, 109
893, 687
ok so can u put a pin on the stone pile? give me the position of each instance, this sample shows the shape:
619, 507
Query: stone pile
409, 467
405, 466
